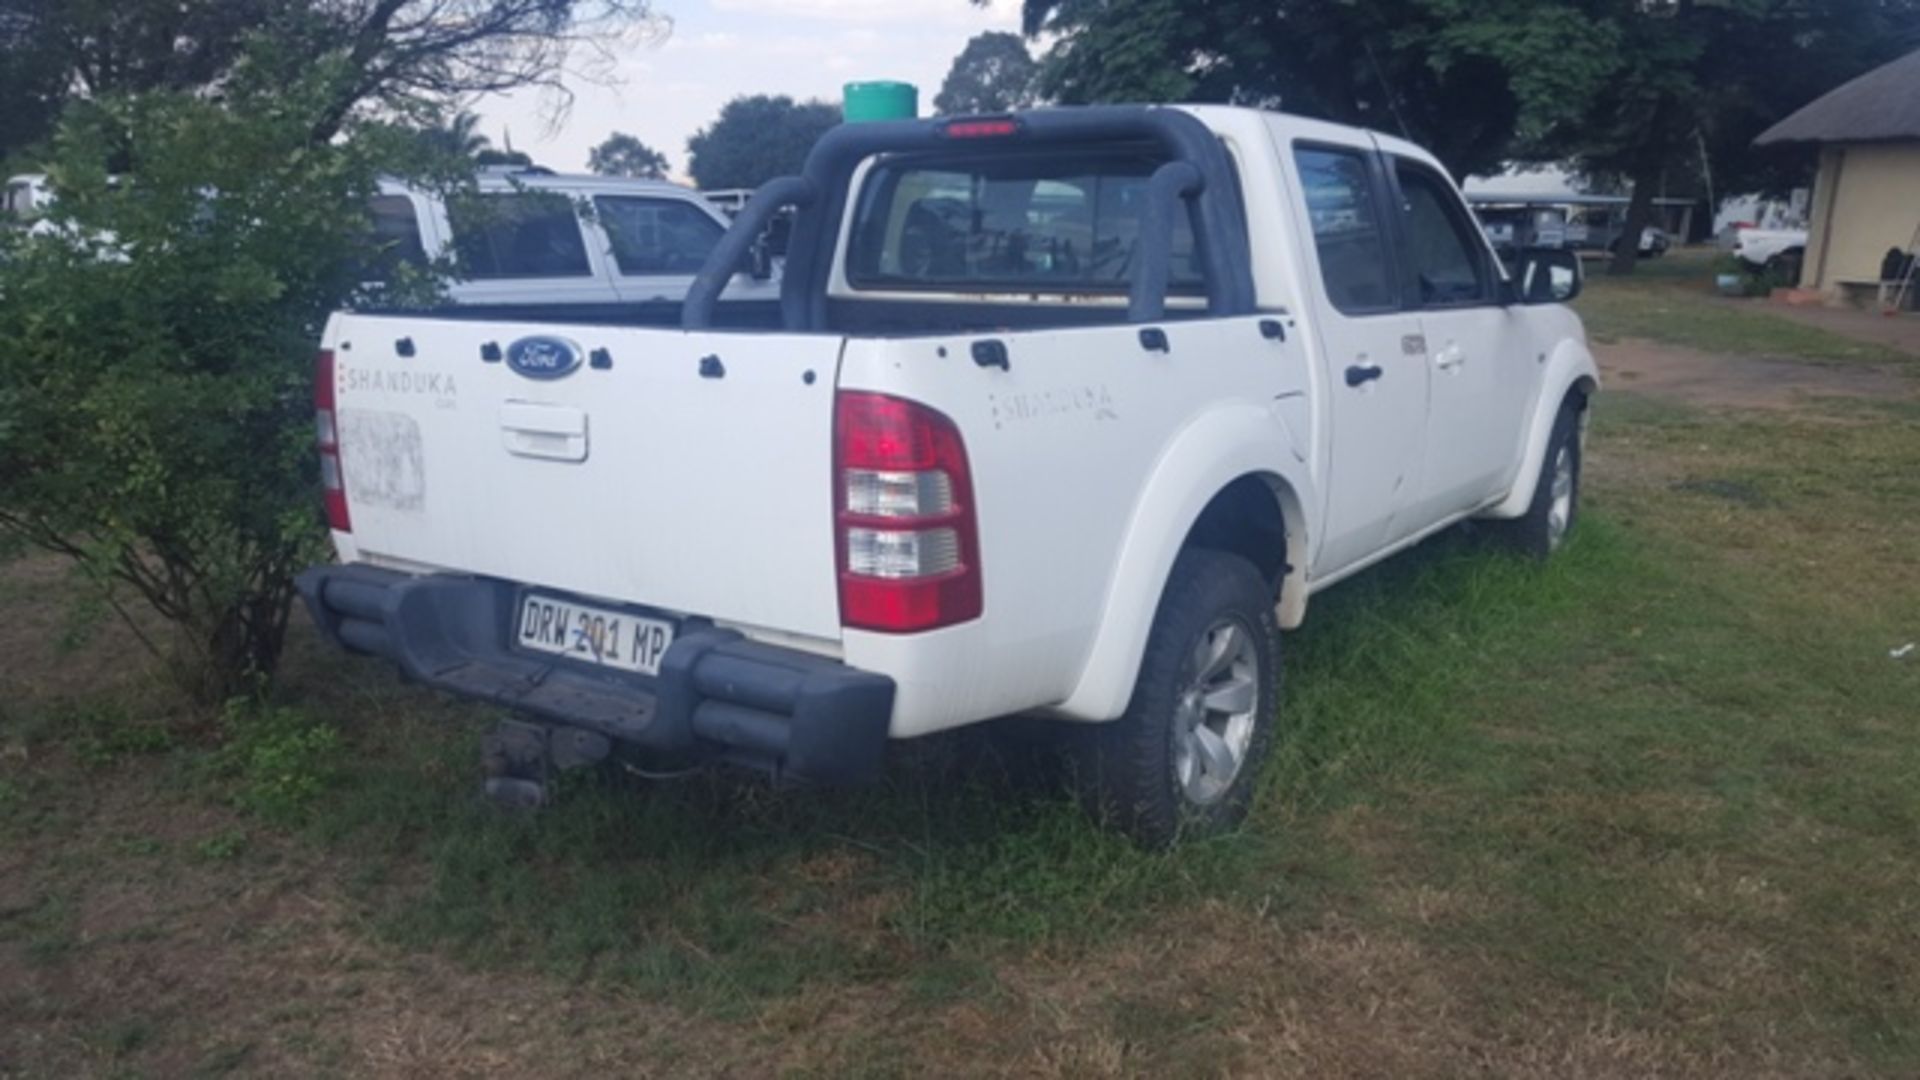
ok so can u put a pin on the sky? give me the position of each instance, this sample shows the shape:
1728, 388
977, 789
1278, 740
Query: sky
665, 89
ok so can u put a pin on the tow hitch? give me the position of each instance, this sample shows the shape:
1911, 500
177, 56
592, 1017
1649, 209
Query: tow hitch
519, 760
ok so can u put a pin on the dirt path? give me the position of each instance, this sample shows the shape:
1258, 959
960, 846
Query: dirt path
1718, 380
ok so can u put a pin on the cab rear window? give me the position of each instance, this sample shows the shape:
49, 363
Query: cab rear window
1049, 221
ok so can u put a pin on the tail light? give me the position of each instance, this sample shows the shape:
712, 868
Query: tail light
327, 437
907, 537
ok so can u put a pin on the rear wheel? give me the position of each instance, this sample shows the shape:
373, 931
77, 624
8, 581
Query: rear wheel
1784, 268
1183, 759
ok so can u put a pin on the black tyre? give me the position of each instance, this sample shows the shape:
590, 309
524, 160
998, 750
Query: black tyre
1184, 758
1555, 508
1784, 268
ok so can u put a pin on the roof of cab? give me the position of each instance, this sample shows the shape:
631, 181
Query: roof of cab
1244, 121
498, 179
502, 179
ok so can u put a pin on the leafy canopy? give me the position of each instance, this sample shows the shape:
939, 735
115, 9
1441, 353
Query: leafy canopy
625, 155
156, 349
1370, 64
755, 139
394, 54
1612, 85
993, 73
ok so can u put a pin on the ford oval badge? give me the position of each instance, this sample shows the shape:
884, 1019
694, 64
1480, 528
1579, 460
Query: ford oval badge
543, 357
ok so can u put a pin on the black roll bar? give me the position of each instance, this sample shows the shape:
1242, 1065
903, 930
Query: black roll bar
1207, 185
1171, 183
724, 261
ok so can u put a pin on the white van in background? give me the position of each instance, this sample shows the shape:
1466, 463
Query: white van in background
530, 243
533, 243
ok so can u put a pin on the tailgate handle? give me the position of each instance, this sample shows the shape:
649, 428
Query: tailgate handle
553, 432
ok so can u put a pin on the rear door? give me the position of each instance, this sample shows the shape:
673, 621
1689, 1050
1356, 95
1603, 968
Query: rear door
1481, 377
656, 245
689, 472
524, 249
1376, 362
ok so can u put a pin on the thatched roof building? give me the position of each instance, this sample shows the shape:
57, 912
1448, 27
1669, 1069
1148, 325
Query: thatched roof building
1881, 106
1866, 197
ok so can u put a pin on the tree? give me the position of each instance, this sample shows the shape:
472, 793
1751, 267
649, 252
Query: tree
1369, 64
993, 74
51, 50
458, 137
1638, 88
491, 156
755, 139
623, 155
1691, 82
156, 351
394, 55
403, 52
156, 341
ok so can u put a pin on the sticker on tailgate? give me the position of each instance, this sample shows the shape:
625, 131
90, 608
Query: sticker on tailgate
384, 457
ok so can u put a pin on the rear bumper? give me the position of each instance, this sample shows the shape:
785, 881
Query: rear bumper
718, 695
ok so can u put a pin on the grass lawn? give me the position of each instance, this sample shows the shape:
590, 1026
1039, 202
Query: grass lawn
1672, 300
1653, 808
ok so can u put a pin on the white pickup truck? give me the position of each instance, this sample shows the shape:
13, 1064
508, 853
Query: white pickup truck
1069, 414
1767, 249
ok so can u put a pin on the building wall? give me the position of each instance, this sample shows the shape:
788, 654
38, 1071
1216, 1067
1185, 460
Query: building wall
1866, 199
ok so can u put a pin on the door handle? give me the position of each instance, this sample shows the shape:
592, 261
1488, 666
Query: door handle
1450, 357
1363, 373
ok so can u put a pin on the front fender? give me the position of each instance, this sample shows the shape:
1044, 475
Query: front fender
1570, 364
1217, 448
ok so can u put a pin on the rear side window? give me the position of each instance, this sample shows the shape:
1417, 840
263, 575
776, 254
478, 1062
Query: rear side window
1053, 221
1446, 260
657, 236
396, 236
1354, 261
523, 235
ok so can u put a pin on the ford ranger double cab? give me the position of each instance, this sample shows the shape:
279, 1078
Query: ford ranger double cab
1067, 415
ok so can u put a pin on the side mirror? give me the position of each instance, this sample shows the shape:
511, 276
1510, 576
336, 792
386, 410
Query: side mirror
760, 258
1545, 276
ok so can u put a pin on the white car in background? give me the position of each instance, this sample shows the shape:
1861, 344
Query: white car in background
1768, 248
530, 243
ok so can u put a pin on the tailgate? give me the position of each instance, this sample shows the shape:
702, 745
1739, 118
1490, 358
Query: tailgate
687, 471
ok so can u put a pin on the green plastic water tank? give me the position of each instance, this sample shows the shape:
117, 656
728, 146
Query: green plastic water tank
880, 101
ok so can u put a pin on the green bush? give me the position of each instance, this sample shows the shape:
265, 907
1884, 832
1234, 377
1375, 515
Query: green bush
106, 733
156, 354
279, 759
1757, 281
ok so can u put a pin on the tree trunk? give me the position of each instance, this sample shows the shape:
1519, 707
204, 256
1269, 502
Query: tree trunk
241, 648
1626, 250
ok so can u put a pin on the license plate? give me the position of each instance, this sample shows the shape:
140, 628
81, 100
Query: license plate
615, 639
